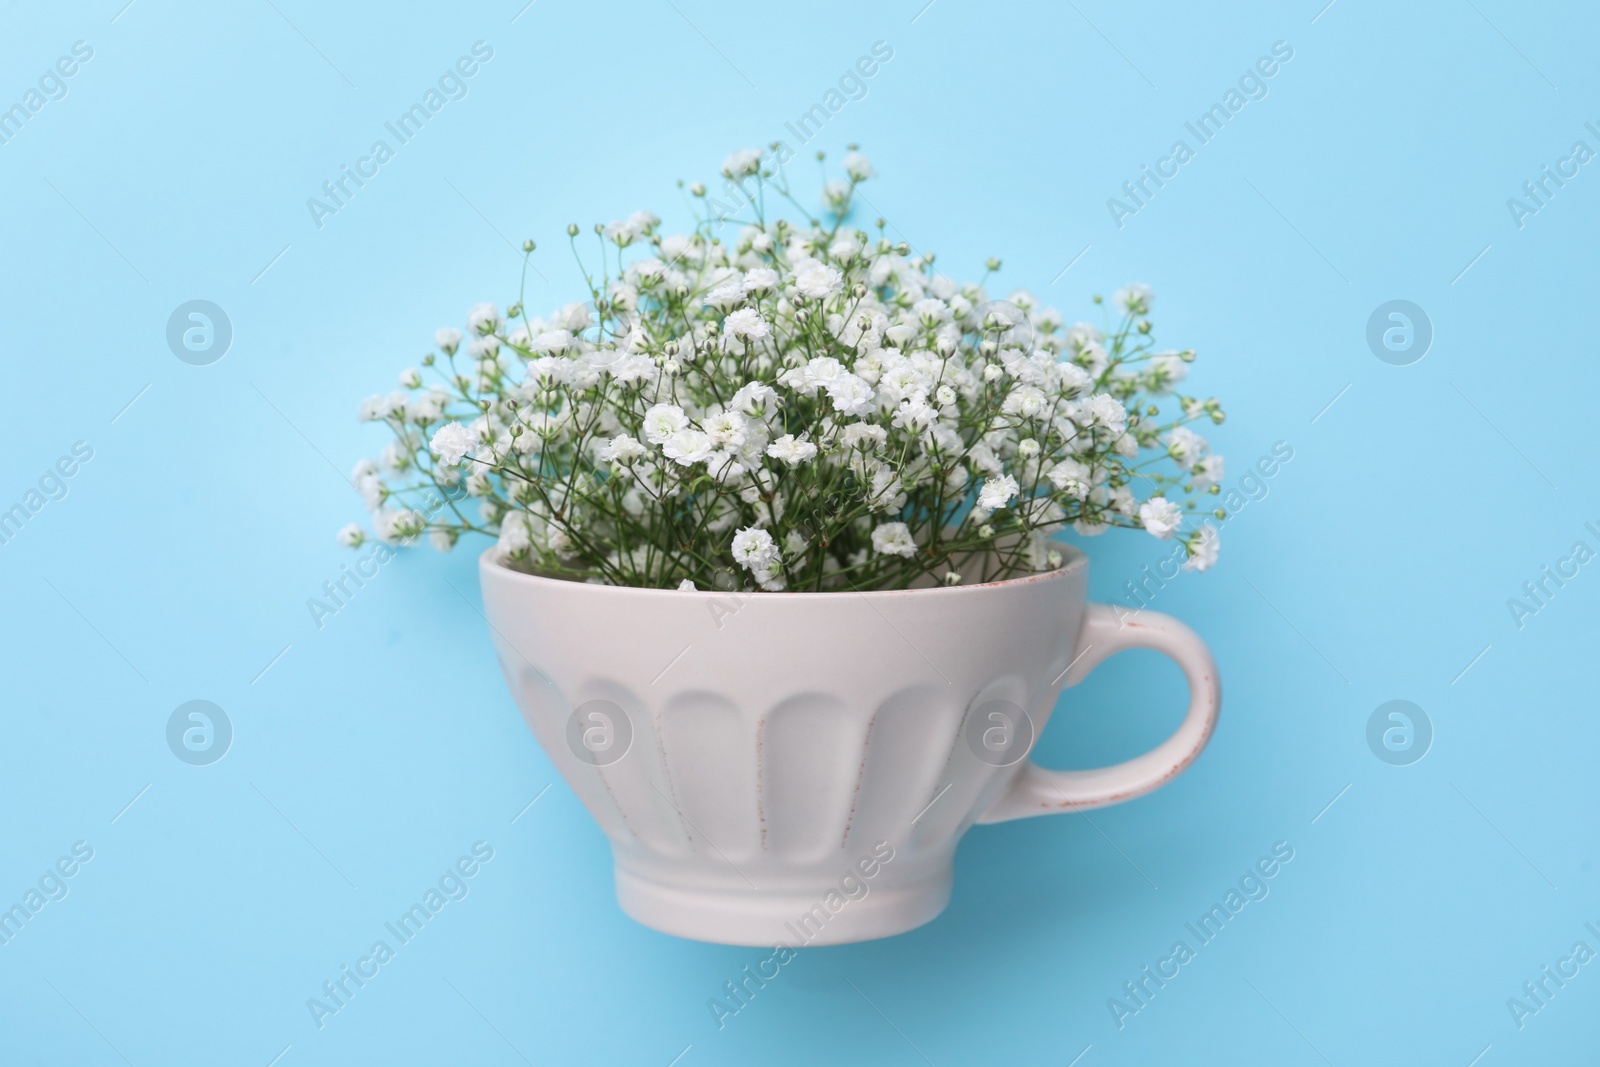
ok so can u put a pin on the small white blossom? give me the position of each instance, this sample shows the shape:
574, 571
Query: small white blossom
742, 162
688, 447
1202, 549
818, 280
893, 539
352, 536
483, 318
754, 549
622, 450
1160, 516
760, 280
997, 492
746, 323
452, 443
858, 166
662, 421
1133, 299
791, 449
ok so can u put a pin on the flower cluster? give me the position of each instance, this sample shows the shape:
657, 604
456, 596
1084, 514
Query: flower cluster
763, 405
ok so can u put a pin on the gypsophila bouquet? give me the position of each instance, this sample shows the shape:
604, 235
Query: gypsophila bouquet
802, 407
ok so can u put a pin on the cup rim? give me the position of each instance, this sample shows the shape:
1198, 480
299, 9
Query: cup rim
1075, 561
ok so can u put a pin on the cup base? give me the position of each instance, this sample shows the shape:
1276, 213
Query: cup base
767, 918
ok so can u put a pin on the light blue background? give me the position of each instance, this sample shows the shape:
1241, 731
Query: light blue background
378, 748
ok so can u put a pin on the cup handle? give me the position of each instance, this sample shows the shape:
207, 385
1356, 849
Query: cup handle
1036, 790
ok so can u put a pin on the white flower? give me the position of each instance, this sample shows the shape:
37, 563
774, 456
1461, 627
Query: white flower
1185, 447
858, 166
662, 421
887, 493
1207, 472
754, 549
398, 526
448, 339
900, 333
442, 539
363, 469
551, 341
726, 429
725, 296
741, 162
791, 449
688, 447
1105, 410
747, 323
893, 539
352, 536
573, 317
686, 586
996, 492
1202, 549
1028, 401
753, 397
1133, 299
850, 395
1167, 369
514, 536
842, 250
429, 407
622, 450
372, 490
452, 442
864, 436
634, 368
760, 279
483, 318
1073, 378
1160, 516
1071, 477
915, 414
818, 280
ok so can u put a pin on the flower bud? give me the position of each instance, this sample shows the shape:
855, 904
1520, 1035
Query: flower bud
572, 229
528, 245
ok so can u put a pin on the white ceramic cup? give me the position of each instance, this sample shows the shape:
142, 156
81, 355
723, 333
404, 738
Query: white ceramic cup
797, 768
